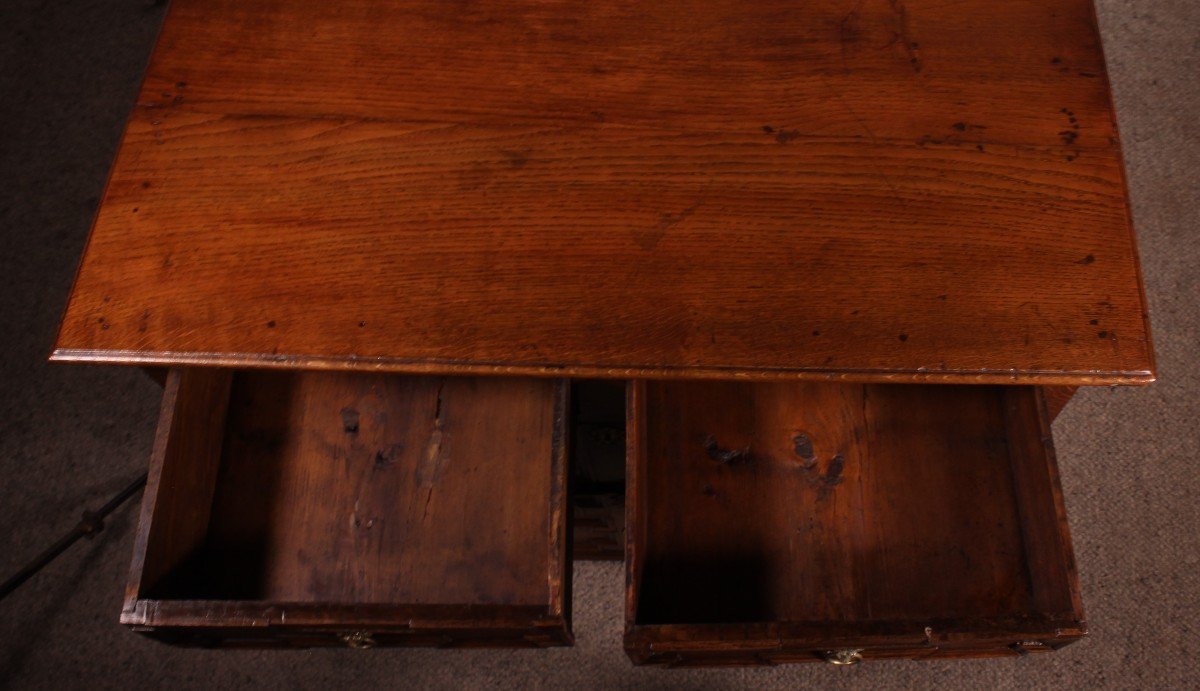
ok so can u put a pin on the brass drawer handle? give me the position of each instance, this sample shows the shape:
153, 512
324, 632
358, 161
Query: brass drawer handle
359, 640
844, 657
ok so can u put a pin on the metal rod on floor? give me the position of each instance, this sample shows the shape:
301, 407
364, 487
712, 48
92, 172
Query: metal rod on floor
90, 523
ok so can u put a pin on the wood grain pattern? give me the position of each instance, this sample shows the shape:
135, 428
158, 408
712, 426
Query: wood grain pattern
872, 190
1039, 500
400, 500
187, 449
776, 521
883, 69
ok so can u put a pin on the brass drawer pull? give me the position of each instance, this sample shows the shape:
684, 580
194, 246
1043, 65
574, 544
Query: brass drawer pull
844, 657
359, 640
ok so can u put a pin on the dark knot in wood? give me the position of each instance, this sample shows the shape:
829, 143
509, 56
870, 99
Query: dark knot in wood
727, 456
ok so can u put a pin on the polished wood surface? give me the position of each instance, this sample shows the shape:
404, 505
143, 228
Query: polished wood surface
865, 189
348, 500
775, 522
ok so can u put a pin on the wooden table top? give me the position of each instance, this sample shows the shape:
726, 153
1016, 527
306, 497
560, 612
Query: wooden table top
876, 190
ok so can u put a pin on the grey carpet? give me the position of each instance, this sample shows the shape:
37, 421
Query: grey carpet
72, 435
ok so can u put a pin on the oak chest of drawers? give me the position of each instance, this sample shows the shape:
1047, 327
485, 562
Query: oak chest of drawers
775, 302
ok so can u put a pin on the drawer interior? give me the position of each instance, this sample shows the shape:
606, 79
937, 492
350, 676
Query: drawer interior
775, 517
598, 469
278, 494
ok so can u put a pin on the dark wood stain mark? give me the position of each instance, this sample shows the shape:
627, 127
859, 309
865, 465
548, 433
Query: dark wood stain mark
516, 159
849, 34
672, 220
833, 474
349, 420
1087, 260
802, 446
649, 239
785, 136
386, 457
902, 35
849, 30
430, 468
723, 456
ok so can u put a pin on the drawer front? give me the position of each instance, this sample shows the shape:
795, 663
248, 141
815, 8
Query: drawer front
789, 522
844, 656
840, 657
359, 639
325, 508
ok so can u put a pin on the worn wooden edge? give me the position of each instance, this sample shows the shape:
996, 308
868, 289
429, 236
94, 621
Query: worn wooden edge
896, 632
559, 562
219, 614
635, 521
1119, 153
1066, 545
108, 176
597, 371
676, 644
176, 432
141, 538
1038, 486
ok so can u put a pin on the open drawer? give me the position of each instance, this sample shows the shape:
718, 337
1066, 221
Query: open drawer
330, 508
788, 522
